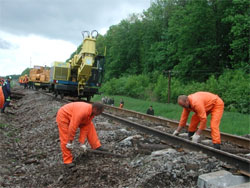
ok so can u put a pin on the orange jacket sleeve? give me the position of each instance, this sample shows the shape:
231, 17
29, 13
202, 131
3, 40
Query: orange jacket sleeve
184, 117
80, 115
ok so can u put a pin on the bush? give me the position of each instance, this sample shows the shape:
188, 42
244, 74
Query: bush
232, 86
234, 90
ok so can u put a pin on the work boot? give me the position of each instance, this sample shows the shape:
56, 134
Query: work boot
216, 146
101, 148
70, 165
190, 134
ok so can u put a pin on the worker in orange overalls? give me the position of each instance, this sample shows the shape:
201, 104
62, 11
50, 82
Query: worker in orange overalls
76, 115
202, 104
25, 81
121, 103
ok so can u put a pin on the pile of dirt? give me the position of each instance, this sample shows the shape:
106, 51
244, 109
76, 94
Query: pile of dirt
30, 154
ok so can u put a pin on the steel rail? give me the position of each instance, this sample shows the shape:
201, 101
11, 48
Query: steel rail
238, 162
240, 141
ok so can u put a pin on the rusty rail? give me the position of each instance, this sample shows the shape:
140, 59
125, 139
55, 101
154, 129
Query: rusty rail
240, 141
240, 163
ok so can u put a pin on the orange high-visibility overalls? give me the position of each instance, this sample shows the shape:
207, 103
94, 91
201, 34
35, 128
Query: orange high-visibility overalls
2, 100
204, 103
69, 118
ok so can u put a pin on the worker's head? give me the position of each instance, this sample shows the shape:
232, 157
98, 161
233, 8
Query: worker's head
8, 78
183, 101
97, 108
151, 107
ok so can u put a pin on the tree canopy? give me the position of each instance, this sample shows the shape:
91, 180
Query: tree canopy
194, 39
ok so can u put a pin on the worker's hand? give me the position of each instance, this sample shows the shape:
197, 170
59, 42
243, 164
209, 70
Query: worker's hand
69, 145
176, 133
83, 147
195, 138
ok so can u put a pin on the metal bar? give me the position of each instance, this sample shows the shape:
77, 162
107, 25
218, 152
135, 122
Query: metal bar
106, 153
236, 161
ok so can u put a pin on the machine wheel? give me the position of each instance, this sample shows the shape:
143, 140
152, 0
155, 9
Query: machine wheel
88, 98
56, 94
61, 95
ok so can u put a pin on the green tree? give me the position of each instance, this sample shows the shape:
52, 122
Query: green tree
26, 71
238, 17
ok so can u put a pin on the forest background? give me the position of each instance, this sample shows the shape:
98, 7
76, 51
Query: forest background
202, 45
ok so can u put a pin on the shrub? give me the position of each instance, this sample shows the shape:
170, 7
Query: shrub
232, 86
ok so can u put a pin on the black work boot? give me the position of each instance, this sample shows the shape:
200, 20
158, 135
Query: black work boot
101, 148
216, 146
70, 165
190, 134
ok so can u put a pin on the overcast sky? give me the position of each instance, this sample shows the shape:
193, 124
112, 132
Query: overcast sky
38, 32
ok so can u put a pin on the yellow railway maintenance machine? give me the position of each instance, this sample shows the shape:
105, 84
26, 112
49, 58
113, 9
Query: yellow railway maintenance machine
82, 75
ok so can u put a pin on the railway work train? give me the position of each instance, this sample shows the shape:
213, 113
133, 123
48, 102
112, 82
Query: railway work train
80, 77
38, 78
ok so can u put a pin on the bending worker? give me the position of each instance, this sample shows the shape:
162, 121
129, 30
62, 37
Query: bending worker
76, 115
202, 104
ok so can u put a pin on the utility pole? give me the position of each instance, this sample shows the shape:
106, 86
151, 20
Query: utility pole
169, 85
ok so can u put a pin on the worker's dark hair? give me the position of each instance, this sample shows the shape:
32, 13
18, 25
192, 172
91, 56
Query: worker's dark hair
98, 106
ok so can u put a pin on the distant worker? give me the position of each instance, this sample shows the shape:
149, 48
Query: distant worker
121, 103
202, 104
6, 92
1, 81
25, 81
104, 100
150, 111
112, 101
30, 84
76, 115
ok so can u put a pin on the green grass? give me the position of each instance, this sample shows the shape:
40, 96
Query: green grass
2, 126
231, 122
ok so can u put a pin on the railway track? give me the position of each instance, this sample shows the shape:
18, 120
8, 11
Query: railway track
134, 119
241, 142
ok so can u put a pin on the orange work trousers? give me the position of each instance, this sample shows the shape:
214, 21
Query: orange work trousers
2, 100
86, 131
216, 115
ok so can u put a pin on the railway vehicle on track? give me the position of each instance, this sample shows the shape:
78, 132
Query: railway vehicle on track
81, 76
39, 77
